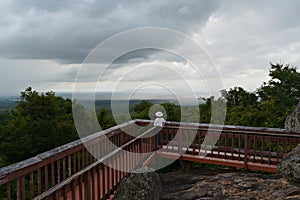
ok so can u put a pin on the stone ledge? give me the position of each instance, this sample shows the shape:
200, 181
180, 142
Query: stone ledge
226, 184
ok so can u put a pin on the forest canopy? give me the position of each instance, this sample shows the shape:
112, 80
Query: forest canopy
43, 121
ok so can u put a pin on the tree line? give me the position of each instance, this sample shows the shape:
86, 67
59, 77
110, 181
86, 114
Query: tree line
43, 121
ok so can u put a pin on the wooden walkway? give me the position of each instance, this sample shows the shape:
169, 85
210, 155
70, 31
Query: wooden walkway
78, 171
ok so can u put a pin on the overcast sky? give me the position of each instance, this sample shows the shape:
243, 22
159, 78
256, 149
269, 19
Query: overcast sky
43, 43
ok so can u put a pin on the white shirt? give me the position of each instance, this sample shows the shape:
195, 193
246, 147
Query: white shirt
159, 122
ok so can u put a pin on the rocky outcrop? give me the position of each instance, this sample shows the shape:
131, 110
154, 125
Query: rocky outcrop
289, 167
140, 186
214, 184
292, 122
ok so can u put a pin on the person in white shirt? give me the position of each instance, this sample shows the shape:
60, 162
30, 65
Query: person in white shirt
159, 122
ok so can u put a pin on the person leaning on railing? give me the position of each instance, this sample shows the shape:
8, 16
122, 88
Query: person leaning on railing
159, 122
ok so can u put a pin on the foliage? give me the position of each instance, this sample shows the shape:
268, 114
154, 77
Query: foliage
283, 87
237, 96
205, 110
141, 110
40, 122
270, 104
44, 121
281, 91
173, 111
105, 119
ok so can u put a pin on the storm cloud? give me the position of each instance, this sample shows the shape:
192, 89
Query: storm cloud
66, 31
43, 43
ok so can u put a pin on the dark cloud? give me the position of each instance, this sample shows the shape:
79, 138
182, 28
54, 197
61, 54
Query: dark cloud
66, 31
242, 37
147, 55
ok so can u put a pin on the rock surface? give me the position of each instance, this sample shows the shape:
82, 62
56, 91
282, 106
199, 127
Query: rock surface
292, 122
140, 186
215, 184
289, 167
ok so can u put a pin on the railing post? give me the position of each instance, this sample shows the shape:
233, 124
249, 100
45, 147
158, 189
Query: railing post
159, 137
141, 151
180, 142
88, 186
21, 190
8, 191
246, 145
183, 166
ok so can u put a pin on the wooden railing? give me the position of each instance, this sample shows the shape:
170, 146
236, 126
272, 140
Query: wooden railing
30, 178
92, 169
99, 180
244, 147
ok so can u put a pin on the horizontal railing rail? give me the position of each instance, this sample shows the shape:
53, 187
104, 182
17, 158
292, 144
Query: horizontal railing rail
258, 146
99, 181
31, 177
225, 127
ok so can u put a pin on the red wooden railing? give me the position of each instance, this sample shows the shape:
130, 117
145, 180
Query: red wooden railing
30, 178
243, 147
99, 181
71, 172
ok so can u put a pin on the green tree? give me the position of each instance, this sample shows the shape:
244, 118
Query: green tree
213, 110
245, 116
141, 110
105, 119
40, 122
237, 96
173, 111
241, 107
283, 87
142, 106
282, 91
269, 116
205, 110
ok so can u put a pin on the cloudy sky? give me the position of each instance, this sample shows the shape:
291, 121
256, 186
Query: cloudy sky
44, 43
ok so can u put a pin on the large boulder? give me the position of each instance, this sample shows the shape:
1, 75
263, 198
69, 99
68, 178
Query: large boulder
289, 167
140, 186
292, 122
